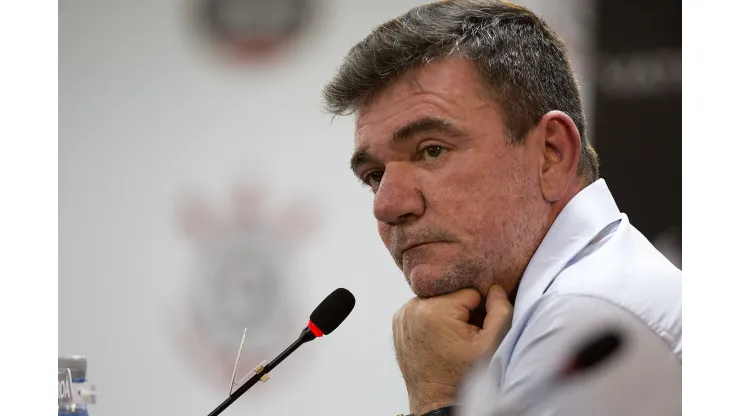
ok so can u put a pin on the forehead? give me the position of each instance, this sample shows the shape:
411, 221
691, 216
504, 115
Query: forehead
449, 89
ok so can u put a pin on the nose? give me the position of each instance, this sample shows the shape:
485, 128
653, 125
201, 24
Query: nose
398, 198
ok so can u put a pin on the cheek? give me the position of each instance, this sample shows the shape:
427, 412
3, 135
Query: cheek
484, 195
472, 183
384, 232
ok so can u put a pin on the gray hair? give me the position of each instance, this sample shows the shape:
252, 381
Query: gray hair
522, 62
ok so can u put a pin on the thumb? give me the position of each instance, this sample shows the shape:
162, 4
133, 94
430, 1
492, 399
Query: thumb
460, 303
498, 316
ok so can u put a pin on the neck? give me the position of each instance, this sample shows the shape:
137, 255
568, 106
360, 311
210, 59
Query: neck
556, 207
511, 285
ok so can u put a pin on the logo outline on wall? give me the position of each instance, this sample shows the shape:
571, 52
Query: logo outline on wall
254, 30
242, 276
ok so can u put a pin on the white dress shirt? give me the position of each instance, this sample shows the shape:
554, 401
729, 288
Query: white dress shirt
592, 271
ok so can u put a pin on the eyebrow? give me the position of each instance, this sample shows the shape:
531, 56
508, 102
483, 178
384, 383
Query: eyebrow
406, 132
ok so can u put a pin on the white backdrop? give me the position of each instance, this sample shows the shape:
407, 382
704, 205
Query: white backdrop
145, 113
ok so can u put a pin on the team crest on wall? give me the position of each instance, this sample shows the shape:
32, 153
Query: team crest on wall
253, 30
241, 276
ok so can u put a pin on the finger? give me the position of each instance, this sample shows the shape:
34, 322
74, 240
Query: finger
498, 311
468, 297
462, 302
398, 327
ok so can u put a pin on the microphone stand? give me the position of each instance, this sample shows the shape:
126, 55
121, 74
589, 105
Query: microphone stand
261, 373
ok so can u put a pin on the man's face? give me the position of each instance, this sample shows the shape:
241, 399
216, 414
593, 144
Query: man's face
457, 205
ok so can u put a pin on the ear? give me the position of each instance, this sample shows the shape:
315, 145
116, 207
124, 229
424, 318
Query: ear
560, 144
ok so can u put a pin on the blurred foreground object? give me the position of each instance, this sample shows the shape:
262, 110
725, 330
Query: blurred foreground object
592, 354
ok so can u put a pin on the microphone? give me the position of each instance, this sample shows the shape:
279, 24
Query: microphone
330, 313
587, 357
592, 353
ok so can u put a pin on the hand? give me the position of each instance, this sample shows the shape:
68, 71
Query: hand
435, 345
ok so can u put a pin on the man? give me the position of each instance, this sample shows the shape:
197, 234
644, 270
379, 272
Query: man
471, 134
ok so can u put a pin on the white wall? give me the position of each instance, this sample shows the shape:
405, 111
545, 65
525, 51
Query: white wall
146, 113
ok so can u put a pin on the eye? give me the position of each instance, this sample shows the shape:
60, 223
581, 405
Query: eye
433, 152
373, 179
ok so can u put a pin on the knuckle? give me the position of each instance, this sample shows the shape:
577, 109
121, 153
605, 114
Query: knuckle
502, 307
398, 318
425, 311
506, 308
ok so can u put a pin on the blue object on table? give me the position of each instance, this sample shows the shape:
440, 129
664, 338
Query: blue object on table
71, 402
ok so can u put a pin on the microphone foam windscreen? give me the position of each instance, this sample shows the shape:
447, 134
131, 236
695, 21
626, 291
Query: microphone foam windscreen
333, 310
598, 350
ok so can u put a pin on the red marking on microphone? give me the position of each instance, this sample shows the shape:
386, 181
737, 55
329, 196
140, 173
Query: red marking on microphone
315, 329
571, 368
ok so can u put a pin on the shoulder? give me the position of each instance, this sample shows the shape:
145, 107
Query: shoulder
625, 276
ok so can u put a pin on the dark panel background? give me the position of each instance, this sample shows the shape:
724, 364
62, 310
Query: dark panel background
637, 123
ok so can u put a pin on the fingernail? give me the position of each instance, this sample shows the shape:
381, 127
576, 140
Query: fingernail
499, 291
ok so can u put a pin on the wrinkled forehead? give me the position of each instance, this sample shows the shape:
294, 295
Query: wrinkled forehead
447, 88
387, 100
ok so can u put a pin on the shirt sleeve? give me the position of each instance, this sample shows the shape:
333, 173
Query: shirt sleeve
642, 378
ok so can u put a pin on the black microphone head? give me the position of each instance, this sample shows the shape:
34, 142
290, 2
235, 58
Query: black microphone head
333, 310
595, 351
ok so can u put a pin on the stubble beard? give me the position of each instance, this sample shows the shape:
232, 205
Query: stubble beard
503, 267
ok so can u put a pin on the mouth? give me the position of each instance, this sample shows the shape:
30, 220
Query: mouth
415, 245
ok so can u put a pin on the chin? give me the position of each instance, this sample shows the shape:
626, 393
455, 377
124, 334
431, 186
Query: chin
428, 280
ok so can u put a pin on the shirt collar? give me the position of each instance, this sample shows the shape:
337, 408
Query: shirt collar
582, 219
